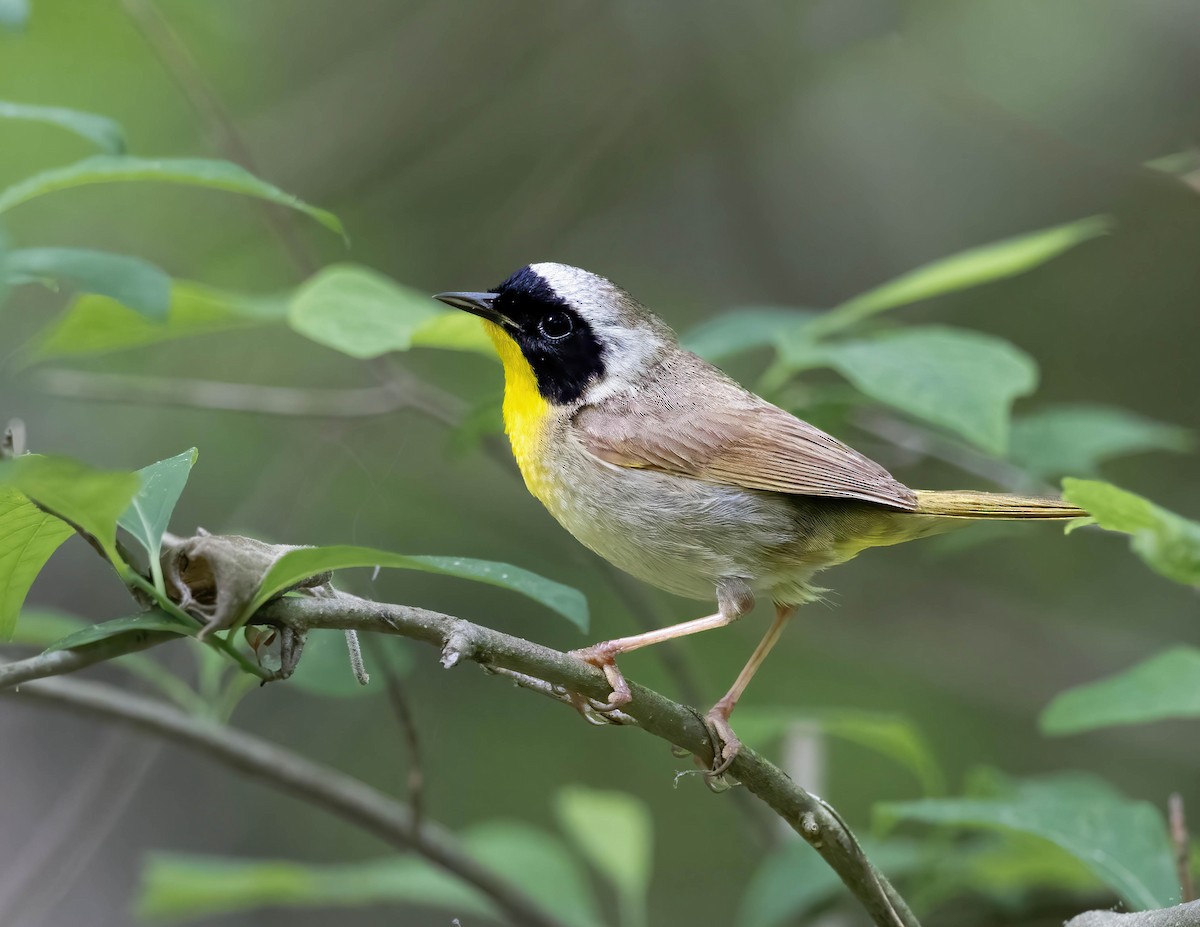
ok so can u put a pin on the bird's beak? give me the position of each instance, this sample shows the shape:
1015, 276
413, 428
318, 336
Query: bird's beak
480, 304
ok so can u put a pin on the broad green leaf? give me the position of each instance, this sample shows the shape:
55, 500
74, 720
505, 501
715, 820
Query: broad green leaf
150, 511
1168, 543
90, 499
106, 134
1165, 686
180, 887
28, 536
964, 270
793, 880
1123, 842
131, 281
359, 312
742, 330
305, 562
614, 832
893, 736
149, 621
191, 172
42, 627
14, 14
97, 324
453, 331
1076, 439
324, 667
962, 380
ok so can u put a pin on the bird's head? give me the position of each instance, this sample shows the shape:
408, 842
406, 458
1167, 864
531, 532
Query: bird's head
581, 336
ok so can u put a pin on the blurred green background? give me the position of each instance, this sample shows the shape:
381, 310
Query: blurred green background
705, 157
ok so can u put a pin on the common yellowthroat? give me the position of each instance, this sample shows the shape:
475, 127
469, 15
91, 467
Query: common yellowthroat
665, 466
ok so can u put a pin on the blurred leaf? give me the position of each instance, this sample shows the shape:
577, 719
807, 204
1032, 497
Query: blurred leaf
893, 736
150, 511
1007, 867
101, 131
1076, 439
539, 864
97, 324
28, 536
741, 330
90, 499
1168, 543
131, 281
180, 887
793, 880
191, 172
14, 14
615, 833
324, 667
962, 380
364, 314
964, 270
1123, 842
1165, 686
149, 621
302, 563
453, 331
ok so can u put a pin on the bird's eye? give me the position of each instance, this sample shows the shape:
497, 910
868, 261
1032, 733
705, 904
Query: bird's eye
556, 325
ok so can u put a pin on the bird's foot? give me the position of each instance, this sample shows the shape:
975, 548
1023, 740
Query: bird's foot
604, 658
726, 745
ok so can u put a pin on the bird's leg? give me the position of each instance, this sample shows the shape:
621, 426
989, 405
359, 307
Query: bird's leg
604, 655
734, 599
718, 716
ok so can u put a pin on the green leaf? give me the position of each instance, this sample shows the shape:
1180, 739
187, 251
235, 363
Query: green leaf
359, 312
192, 172
1076, 439
1168, 543
453, 331
42, 627
1123, 842
742, 329
893, 736
180, 887
1165, 686
97, 324
91, 499
305, 562
964, 270
962, 380
28, 536
793, 880
136, 283
106, 134
150, 511
149, 621
614, 832
324, 667
14, 14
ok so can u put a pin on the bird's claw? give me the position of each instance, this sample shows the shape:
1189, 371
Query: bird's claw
605, 660
725, 743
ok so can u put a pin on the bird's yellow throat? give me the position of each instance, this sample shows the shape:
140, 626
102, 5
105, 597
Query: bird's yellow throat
525, 410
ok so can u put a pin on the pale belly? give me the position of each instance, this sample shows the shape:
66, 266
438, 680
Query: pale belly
682, 535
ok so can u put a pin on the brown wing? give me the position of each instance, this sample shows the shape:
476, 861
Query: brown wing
723, 433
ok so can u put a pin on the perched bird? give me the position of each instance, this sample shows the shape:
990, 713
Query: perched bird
666, 467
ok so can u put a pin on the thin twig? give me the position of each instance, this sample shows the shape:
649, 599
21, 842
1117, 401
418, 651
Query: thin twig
402, 709
322, 786
1182, 844
677, 724
222, 131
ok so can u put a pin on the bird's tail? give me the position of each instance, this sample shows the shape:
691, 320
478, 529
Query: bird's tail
969, 504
